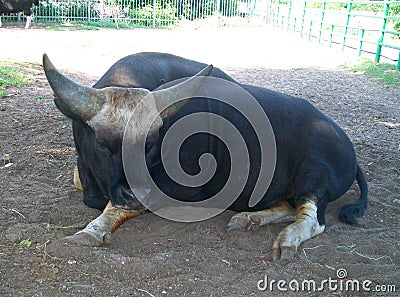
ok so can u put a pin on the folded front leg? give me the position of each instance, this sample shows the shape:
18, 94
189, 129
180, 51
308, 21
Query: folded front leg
109, 221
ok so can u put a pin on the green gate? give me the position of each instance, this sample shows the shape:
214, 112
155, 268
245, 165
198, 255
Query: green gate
370, 27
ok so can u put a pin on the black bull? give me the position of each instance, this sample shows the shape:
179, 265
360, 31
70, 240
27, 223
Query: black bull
15, 6
316, 162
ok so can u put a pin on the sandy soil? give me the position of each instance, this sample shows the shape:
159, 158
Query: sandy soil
149, 256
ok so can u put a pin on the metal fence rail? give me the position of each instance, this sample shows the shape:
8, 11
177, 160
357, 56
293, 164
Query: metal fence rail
152, 13
370, 27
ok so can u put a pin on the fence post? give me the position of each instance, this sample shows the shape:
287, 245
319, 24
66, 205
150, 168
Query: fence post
89, 13
398, 62
217, 10
303, 18
380, 40
278, 13
331, 35
154, 13
362, 32
268, 12
273, 14
349, 7
321, 26
289, 14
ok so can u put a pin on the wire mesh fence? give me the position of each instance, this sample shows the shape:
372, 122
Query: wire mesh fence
151, 13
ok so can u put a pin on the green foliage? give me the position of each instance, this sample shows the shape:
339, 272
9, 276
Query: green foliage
228, 7
394, 10
11, 76
330, 6
314, 5
25, 243
371, 7
144, 16
336, 6
140, 13
397, 28
281, 1
190, 10
66, 9
384, 72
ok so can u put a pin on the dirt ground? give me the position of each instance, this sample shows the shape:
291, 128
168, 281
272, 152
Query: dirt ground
149, 256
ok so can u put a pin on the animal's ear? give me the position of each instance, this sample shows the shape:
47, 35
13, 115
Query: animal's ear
166, 98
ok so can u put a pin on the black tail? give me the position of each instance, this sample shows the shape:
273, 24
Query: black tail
349, 212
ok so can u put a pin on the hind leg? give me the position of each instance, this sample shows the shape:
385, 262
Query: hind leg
313, 188
305, 227
278, 213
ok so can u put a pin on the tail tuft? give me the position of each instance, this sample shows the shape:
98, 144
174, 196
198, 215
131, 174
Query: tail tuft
351, 211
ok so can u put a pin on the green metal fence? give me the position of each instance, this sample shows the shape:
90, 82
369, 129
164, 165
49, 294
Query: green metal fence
152, 13
369, 27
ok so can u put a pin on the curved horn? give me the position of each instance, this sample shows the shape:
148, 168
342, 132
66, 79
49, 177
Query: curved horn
165, 98
84, 101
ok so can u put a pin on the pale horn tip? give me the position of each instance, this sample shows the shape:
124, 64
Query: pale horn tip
206, 71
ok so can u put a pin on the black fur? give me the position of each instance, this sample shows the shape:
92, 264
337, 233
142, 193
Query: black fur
15, 6
314, 155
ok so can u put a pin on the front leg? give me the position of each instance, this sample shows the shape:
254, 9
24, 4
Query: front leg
28, 21
305, 227
109, 221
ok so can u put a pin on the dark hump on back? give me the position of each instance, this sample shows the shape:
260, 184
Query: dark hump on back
150, 69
